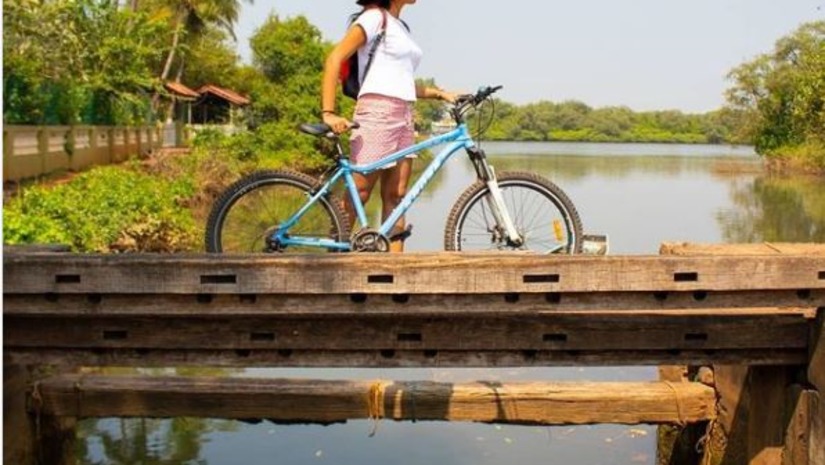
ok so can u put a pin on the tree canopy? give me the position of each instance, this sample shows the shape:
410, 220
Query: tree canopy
781, 96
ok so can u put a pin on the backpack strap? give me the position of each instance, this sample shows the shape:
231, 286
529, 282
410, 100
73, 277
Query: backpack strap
376, 42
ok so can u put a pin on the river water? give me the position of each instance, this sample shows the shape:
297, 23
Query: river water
640, 195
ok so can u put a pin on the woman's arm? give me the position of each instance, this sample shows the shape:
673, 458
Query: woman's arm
352, 41
434, 93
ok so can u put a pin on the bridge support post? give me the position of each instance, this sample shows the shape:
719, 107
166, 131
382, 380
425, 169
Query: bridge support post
772, 415
30, 438
676, 444
755, 407
809, 417
18, 434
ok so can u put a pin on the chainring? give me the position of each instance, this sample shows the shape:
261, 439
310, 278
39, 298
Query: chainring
369, 240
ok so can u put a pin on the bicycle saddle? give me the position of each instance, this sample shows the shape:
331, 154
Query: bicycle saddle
321, 129
315, 129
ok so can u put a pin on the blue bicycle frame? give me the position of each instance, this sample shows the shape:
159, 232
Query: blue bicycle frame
457, 139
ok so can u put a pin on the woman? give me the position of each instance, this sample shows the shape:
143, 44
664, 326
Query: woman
385, 102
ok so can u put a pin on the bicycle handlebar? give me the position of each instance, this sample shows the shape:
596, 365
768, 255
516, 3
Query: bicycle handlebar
463, 102
478, 97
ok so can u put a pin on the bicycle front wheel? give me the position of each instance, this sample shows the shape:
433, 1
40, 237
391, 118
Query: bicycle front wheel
543, 215
249, 213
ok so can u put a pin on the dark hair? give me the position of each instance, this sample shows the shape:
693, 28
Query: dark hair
385, 4
382, 3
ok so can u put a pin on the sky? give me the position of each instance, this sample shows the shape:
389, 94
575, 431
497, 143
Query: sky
643, 54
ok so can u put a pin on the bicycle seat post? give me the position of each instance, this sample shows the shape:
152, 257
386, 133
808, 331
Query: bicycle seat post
339, 148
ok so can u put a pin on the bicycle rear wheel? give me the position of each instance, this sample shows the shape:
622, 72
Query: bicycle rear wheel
542, 213
249, 212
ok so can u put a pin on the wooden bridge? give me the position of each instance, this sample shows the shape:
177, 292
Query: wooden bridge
751, 316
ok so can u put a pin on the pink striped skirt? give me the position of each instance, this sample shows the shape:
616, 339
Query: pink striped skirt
386, 126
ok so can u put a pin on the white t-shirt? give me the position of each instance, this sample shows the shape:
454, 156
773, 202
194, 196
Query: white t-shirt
393, 68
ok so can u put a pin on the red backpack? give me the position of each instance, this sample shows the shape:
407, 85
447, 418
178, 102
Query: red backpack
350, 81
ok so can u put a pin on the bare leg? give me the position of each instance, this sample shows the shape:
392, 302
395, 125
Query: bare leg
393, 189
364, 185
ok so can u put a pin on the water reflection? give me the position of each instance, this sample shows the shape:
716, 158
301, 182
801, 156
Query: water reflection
214, 442
776, 209
124, 441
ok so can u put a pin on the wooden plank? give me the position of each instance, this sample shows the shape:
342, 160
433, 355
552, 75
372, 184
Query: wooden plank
451, 273
720, 303
764, 248
816, 366
816, 450
323, 401
18, 433
394, 358
554, 332
805, 438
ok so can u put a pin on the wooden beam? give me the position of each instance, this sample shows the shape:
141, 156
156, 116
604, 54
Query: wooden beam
664, 303
391, 358
563, 332
764, 248
317, 401
816, 366
441, 273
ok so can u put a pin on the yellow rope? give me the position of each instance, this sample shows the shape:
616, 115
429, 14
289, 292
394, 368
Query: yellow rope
375, 403
705, 444
681, 422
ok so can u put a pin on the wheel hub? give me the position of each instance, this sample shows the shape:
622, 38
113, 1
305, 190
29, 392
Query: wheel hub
271, 240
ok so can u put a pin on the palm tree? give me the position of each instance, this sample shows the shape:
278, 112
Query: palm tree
191, 18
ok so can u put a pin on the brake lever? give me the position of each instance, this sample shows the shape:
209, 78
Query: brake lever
462, 99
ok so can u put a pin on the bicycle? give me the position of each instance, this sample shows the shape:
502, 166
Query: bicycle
287, 211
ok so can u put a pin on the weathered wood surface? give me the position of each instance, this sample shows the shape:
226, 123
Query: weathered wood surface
764, 417
817, 428
676, 444
719, 303
451, 273
764, 248
529, 332
411, 310
392, 358
413, 340
816, 366
18, 434
324, 401
805, 435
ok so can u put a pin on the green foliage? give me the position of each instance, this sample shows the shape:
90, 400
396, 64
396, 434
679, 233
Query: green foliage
427, 111
84, 61
213, 60
285, 88
285, 49
105, 209
574, 121
782, 96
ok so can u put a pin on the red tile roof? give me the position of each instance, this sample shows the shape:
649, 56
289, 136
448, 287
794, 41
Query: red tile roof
226, 94
181, 90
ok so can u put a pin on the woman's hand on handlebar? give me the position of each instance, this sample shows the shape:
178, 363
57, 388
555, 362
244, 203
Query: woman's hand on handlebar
338, 124
449, 97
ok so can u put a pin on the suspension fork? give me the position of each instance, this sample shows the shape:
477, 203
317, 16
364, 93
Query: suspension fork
495, 200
